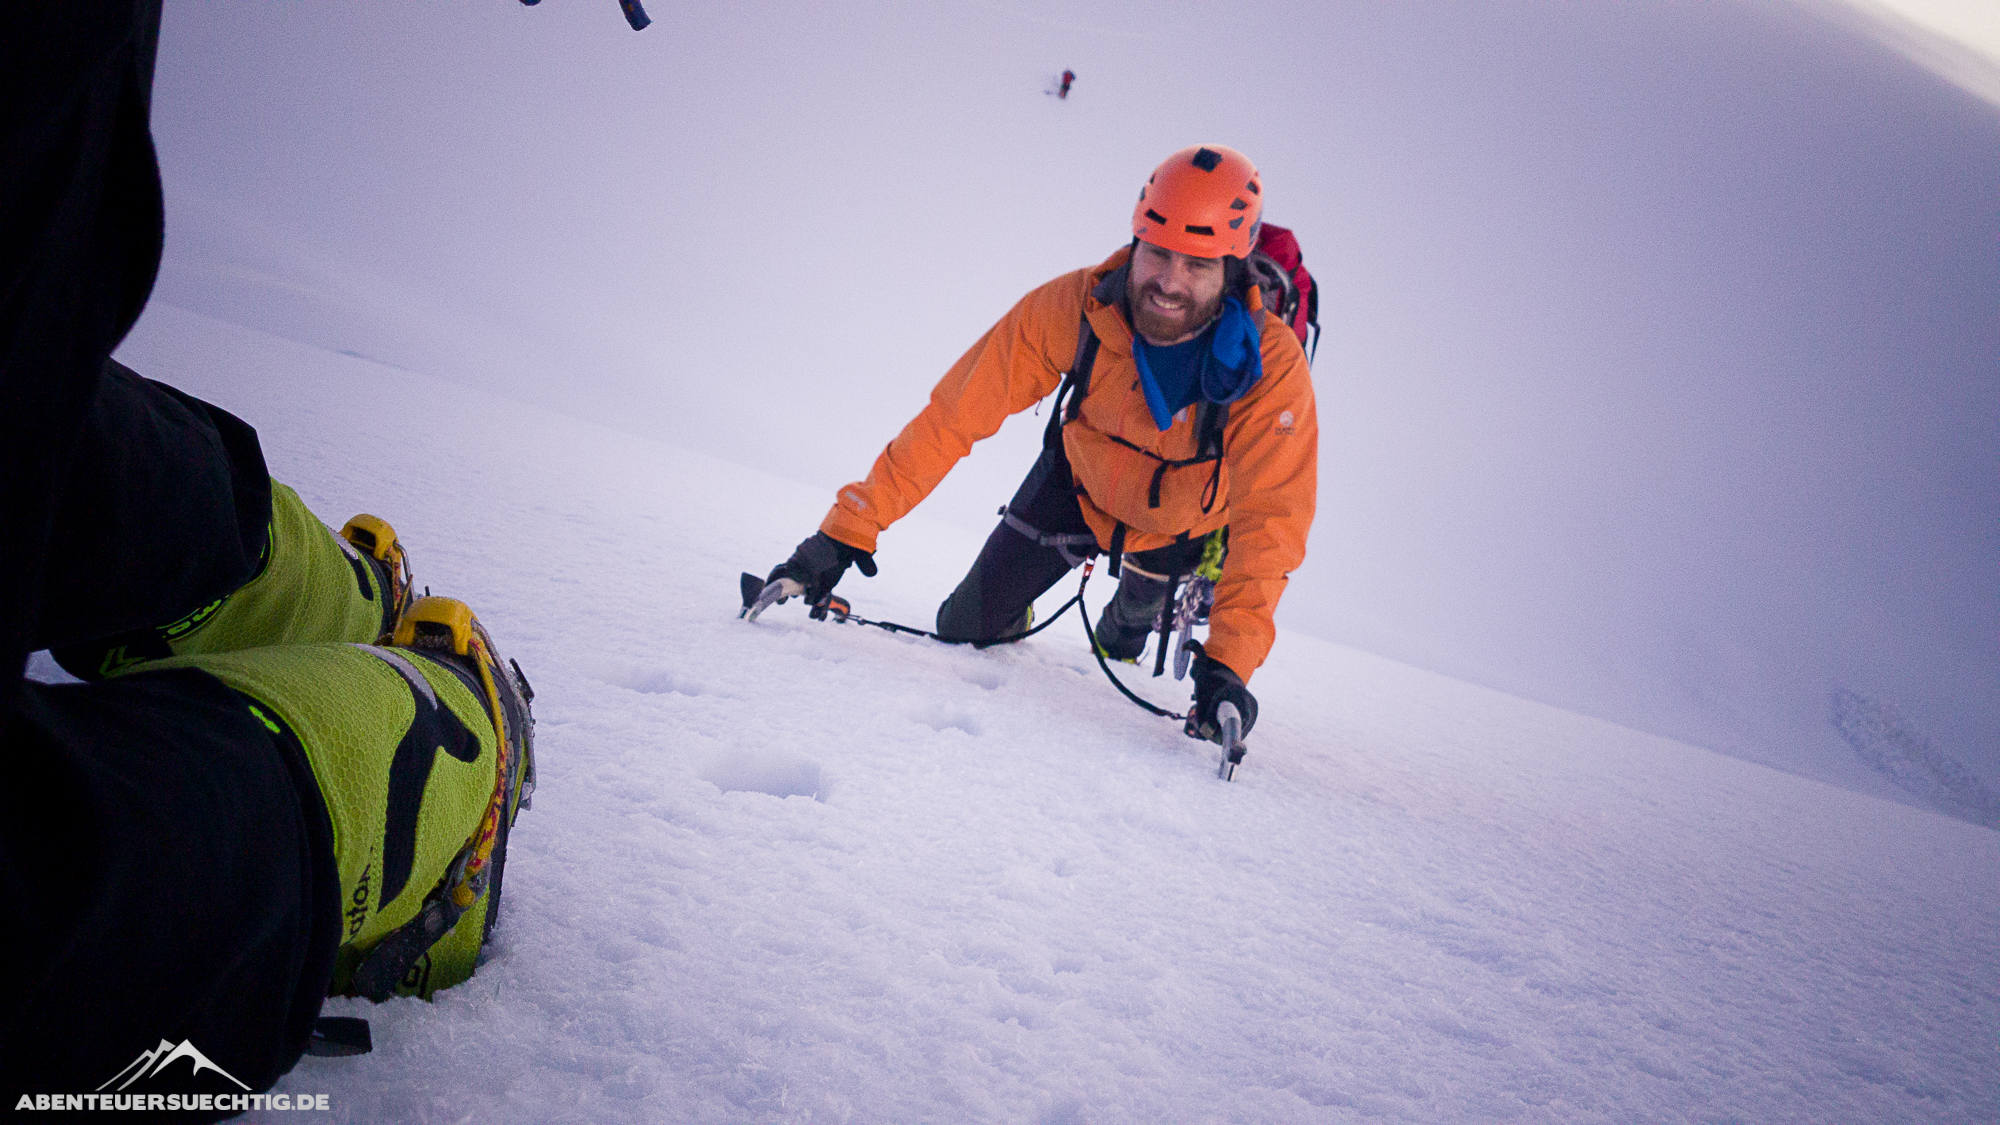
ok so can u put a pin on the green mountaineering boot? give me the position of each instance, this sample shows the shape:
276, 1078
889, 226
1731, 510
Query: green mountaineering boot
441, 946
423, 751
1106, 654
312, 585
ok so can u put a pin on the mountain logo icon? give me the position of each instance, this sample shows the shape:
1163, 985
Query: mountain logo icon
151, 1063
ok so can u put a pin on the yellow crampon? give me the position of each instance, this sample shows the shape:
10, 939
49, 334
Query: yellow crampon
372, 536
444, 624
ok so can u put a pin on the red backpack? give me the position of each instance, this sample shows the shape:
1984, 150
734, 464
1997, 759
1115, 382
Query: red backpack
1289, 291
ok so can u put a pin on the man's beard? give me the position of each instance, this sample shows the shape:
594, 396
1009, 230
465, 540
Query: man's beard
1157, 325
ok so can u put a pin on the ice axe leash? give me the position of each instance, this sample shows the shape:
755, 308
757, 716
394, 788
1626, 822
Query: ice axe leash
1228, 719
759, 595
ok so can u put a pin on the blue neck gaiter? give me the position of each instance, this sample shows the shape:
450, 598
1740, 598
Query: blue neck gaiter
1219, 365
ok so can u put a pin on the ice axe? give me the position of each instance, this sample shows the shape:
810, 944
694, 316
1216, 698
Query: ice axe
635, 12
759, 595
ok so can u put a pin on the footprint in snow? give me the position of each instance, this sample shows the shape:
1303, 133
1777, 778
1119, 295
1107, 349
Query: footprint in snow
660, 681
940, 719
990, 678
776, 775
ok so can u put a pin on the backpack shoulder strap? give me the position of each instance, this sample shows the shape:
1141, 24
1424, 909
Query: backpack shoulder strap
1210, 417
1110, 291
1312, 321
1075, 382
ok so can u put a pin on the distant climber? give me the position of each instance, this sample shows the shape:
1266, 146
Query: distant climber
1068, 77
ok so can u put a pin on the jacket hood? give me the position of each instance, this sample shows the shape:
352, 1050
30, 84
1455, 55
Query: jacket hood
1105, 305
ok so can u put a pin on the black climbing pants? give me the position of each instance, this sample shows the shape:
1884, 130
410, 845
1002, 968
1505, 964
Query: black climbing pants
1041, 537
165, 861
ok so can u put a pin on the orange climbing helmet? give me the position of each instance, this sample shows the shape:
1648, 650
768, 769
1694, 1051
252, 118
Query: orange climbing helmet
1204, 201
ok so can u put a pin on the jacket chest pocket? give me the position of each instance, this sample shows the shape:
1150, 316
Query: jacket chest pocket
1148, 490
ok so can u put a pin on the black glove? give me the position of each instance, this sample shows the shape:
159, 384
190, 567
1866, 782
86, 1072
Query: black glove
1214, 685
819, 562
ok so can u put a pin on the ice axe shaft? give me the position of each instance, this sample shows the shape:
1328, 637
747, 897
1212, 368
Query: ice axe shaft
1230, 722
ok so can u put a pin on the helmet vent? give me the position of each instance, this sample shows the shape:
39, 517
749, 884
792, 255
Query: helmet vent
1207, 159
1208, 232
1156, 216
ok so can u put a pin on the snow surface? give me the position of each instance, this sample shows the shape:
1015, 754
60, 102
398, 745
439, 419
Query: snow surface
1658, 380
1658, 386
807, 872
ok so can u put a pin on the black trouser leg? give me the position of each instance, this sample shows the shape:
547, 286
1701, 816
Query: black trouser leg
165, 864
1145, 581
992, 601
80, 237
168, 872
1132, 613
167, 509
123, 503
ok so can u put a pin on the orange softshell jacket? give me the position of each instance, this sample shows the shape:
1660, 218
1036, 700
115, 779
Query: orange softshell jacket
1270, 470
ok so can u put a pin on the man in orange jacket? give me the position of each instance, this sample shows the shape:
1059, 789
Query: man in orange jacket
1192, 414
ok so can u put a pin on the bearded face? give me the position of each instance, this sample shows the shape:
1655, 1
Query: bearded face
1172, 295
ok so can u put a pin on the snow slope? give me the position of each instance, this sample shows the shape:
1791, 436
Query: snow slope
1658, 380
1658, 385
806, 872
